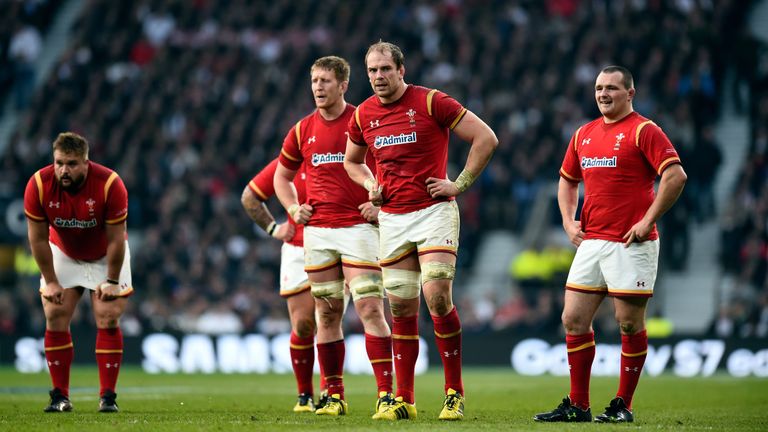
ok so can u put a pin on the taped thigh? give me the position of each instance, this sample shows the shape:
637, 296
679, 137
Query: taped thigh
434, 270
405, 284
366, 285
331, 289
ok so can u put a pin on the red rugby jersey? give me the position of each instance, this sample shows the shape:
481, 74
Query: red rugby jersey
77, 218
263, 185
618, 163
409, 141
320, 145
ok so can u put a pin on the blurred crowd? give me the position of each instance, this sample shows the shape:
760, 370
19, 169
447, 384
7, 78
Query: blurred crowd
188, 99
744, 236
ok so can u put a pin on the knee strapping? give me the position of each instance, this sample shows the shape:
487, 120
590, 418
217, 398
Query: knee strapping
405, 284
434, 270
366, 285
331, 289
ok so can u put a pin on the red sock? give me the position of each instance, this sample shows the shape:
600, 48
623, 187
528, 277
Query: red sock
109, 355
303, 361
634, 349
448, 340
59, 352
405, 347
332, 363
581, 353
379, 349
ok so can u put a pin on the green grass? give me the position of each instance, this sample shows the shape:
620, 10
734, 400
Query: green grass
497, 399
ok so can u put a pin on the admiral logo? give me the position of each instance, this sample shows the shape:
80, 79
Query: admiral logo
390, 140
74, 223
603, 162
325, 158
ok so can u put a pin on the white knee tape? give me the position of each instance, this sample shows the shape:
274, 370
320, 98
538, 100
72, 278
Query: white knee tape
366, 285
331, 289
434, 270
405, 284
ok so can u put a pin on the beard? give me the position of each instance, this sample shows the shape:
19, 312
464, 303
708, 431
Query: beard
74, 182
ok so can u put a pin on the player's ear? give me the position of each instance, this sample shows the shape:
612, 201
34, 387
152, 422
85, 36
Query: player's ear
344, 86
631, 94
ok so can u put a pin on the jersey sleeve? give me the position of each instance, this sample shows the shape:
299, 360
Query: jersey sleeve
354, 131
571, 168
446, 110
290, 154
116, 209
33, 199
262, 184
656, 147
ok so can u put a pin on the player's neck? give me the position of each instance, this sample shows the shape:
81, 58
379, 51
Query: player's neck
334, 111
395, 96
618, 117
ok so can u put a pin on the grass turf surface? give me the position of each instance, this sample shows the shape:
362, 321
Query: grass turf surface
497, 399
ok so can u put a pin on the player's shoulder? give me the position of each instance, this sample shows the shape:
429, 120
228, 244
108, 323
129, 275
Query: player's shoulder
45, 173
99, 171
589, 126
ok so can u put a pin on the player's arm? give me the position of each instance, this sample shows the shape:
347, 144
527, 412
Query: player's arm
568, 201
483, 143
37, 232
360, 173
110, 288
670, 187
289, 198
259, 213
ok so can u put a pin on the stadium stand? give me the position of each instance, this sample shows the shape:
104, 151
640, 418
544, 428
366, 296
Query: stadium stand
187, 99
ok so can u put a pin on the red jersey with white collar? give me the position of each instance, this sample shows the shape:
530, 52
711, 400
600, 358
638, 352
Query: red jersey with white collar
263, 185
618, 163
319, 145
409, 141
77, 218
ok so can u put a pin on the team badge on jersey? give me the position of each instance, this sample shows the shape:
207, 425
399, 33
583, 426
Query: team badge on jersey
411, 117
619, 137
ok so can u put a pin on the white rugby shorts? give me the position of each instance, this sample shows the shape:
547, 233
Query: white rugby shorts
432, 229
73, 273
293, 278
602, 266
354, 246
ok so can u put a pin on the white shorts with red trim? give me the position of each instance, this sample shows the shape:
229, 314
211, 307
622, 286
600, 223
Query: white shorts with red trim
602, 266
354, 246
433, 229
293, 278
73, 273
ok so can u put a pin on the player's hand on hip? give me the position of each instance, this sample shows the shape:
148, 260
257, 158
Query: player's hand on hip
303, 214
441, 188
284, 231
107, 291
53, 292
638, 233
574, 232
369, 212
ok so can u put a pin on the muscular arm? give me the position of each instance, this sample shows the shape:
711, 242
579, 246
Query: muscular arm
41, 250
483, 143
358, 171
289, 198
670, 187
568, 201
259, 213
115, 250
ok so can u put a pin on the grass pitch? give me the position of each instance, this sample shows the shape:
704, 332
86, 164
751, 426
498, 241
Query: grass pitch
497, 399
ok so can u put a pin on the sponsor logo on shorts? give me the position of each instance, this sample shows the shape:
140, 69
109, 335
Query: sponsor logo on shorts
74, 223
603, 162
325, 158
390, 140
